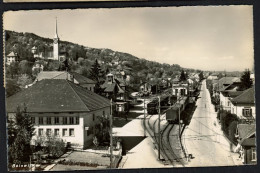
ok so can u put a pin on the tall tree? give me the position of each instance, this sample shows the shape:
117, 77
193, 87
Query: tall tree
183, 76
97, 75
246, 81
23, 129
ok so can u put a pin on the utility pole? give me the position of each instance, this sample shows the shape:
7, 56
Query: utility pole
179, 113
159, 128
111, 135
144, 120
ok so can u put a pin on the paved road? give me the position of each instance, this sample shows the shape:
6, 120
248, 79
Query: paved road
203, 137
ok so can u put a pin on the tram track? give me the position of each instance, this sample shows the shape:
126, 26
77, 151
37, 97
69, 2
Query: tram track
167, 152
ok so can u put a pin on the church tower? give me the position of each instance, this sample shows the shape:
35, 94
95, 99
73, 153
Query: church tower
56, 44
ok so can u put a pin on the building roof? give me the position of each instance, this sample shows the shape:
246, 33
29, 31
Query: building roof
63, 75
247, 97
56, 95
249, 142
49, 75
109, 87
12, 54
82, 79
234, 94
246, 130
227, 81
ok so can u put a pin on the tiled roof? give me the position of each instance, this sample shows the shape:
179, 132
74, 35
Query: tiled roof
227, 81
247, 97
109, 87
49, 74
56, 95
63, 75
246, 130
249, 142
82, 79
234, 94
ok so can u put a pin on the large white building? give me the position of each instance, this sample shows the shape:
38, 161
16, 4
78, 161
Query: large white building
61, 108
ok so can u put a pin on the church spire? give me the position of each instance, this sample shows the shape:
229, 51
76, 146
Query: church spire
56, 28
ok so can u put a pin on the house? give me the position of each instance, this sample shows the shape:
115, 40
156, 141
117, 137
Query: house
246, 134
71, 76
145, 87
225, 81
61, 108
37, 66
112, 89
34, 49
12, 57
213, 76
244, 105
180, 89
227, 93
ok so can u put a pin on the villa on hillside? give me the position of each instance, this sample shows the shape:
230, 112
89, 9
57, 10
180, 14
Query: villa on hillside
12, 57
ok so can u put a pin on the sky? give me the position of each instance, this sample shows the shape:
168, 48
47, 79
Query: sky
199, 37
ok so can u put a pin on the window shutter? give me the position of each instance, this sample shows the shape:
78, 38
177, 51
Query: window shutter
243, 112
250, 112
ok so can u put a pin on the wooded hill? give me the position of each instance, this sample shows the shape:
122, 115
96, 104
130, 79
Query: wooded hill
82, 57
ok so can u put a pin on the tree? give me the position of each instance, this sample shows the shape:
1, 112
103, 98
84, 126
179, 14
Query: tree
55, 146
183, 76
201, 76
11, 87
246, 81
232, 131
13, 69
24, 80
97, 75
25, 67
22, 129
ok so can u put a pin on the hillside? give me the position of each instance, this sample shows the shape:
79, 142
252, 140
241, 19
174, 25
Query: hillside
81, 58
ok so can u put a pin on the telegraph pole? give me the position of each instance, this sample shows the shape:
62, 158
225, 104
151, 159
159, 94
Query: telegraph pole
159, 129
111, 135
179, 113
144, 120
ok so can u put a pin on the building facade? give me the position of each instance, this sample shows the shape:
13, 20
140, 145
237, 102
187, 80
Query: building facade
62, 109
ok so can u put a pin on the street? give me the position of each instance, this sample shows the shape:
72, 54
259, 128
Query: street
204, 139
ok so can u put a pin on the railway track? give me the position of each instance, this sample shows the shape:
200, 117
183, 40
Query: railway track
167, 152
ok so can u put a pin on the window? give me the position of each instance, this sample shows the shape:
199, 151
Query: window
253, 154
40, 132
228, 103
64, 132
57, 120
33, 120
71, 120
40, 120
71, 132
77, 120
93, 117
247, 112
48, 132
65, 120
103, 113
48, 120
56, 132
176, 91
